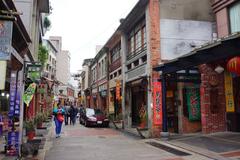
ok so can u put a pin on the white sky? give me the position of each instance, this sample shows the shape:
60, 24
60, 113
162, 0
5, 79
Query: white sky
83, 24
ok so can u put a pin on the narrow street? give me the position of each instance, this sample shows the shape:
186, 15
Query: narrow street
81, 143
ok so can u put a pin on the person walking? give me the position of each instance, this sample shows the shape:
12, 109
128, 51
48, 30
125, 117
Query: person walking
73, 113
58, 113
66, 109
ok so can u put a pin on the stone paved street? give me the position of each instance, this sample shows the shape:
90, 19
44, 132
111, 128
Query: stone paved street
80, 143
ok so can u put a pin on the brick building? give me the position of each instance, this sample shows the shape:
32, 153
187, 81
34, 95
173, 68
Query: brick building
99, 80
115, 75
155, 32
219, 82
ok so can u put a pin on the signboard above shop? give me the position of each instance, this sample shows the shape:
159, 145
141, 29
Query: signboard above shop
6, 28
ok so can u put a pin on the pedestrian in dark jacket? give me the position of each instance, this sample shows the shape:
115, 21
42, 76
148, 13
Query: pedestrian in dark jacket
73, 114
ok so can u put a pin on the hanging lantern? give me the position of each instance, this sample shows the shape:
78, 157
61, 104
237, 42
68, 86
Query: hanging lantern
233, 65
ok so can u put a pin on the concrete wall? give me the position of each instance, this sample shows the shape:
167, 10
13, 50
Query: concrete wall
25, 6
63, 67
31, 19
184, 24
199, 10
179, 37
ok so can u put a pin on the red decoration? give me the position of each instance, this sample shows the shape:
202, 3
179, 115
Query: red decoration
233, 65
157, 103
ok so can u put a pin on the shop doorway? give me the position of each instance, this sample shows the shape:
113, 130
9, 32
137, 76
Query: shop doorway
233, 119
139, 107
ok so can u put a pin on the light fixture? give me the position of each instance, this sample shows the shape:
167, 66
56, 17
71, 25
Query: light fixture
219, 69
3, 94
7, 95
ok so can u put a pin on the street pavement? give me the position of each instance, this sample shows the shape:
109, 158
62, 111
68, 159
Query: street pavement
81, 143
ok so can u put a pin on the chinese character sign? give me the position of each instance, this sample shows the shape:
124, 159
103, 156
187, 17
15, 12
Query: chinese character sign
229, 92
193, 103
157, 103
118, 90
13, 92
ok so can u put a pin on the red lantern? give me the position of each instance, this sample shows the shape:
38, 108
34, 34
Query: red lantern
233, 65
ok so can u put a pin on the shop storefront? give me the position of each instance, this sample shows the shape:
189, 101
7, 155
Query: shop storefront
94, 97
137, 94
102, 97
210, 94
115, 104
11, 77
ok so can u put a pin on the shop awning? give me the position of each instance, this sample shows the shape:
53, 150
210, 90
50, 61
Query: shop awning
220, 49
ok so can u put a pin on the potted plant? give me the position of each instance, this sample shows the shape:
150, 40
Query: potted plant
38, 120
30, 129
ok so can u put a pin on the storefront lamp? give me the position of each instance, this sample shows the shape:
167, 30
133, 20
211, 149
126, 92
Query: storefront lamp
7, 95
3, 94
219, 69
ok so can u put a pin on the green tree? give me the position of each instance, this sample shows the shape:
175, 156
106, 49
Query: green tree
42, 54
47, 23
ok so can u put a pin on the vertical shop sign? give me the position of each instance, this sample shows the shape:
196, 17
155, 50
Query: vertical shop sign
229, 92
157, 103
13, 93
5, 39
3, 68
118, 90
14, 112
193, 103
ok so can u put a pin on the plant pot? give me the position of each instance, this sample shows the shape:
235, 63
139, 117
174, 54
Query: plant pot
39, 125
142, 125
31, 135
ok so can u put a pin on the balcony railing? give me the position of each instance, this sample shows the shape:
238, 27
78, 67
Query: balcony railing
137, 51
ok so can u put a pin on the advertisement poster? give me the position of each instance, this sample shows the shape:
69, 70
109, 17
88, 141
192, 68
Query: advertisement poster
193, 103
230, 107
157, 103
28, 94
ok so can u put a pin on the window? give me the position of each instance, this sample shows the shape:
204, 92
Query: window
137, 39
129, 66
99, 70
119, 72
144, 59
115, 52
144, 37
136, 63
234, 14
115, 74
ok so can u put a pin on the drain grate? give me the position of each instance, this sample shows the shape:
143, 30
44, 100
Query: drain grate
168, 149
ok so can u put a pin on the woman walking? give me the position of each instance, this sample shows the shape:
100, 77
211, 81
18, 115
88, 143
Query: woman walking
58, 113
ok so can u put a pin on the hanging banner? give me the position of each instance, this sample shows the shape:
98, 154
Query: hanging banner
193, 103
34, 72
28, 94
6, 28
157, 103
118, 90
229, 92
13, 92
3, 68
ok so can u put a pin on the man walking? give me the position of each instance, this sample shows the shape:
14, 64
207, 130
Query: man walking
66, 117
